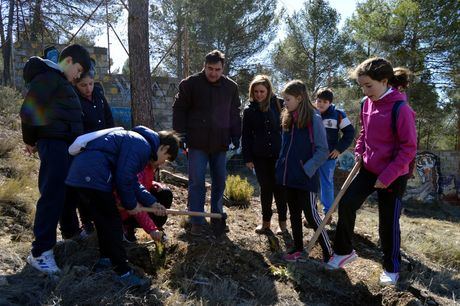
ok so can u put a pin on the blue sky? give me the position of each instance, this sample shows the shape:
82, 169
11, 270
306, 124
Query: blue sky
118, 55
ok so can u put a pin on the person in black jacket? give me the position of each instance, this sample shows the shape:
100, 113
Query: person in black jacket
96, 115
261, 144
50, 121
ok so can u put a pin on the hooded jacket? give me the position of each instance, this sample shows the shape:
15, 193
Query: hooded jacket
335, 120
387, 155
96, 112
51, 108
113, 161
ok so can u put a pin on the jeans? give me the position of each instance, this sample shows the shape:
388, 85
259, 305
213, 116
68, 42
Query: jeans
326, 177
197, 162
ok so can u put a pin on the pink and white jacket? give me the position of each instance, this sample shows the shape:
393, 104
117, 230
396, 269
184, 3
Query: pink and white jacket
385, 154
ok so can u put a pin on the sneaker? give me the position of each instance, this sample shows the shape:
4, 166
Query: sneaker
295, 256
339, 261
388, 278
129, 235
133, 281
196, 230
44, 263
103, 264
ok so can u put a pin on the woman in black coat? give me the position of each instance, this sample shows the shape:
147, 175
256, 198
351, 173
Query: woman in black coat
261, 144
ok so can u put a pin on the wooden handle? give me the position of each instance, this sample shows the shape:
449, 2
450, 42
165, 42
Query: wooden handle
186, 213
334, 206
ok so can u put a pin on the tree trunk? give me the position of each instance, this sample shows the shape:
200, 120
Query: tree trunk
7, 44
139, 65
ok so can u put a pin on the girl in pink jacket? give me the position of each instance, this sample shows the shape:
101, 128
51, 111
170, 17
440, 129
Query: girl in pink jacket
386, 145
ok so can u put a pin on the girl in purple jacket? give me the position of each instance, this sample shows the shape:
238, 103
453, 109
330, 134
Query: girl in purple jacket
385, 152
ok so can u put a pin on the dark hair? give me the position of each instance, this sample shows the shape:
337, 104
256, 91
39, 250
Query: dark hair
78, 54
305, 109
325, 94
264, 81
214, 57
171, 139
90, 73
377, 68
402, 78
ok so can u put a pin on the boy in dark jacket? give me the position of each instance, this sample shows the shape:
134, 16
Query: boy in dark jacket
51, 120
333, 120
114, 160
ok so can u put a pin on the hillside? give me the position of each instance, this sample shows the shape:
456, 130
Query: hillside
241, 268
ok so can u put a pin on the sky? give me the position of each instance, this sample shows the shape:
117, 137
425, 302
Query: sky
118, 54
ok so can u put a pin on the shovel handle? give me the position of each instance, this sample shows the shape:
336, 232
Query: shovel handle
344, 188
187, 213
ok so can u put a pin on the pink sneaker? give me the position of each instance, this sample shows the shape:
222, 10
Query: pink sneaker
339, 261
294, 257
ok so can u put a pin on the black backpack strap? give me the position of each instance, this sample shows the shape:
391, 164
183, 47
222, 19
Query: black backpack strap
394, 115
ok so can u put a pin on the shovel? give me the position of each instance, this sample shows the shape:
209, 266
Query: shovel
344, 188
218, 220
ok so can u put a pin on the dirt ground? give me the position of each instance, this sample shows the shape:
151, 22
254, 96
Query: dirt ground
240, 268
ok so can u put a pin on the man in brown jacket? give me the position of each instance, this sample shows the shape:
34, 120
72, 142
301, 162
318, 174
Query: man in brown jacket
206, 112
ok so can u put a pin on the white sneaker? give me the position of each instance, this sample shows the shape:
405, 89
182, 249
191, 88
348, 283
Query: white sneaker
44, 263
339, 261
388, 278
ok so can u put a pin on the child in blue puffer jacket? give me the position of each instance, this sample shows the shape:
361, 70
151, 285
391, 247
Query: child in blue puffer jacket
113, 161
303, 150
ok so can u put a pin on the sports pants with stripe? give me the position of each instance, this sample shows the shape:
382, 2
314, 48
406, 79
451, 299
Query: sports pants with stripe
301, 200
389, 205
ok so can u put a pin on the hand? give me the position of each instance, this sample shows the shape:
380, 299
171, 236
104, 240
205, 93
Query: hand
159, 209
156, 235
334, 154
135, 210
30, 149
358, 158
250, 165
379, 185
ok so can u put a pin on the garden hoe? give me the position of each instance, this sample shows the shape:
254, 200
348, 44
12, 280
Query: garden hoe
344, 188
218, 221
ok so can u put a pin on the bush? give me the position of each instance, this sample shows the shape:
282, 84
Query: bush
238, 190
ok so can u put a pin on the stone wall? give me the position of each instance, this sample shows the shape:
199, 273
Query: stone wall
116, 86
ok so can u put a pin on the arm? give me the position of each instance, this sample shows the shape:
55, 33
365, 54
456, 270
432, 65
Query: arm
348, 133
321, 151
407, 146
182, 103
247, 139
144, 220
235, 118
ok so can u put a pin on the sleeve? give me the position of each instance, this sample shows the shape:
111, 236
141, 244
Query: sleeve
348, 133
359, 148
109, 123
407, 146
130, 162
29, 134
144, 220
182, 103
321, 151
235, 117
247, 139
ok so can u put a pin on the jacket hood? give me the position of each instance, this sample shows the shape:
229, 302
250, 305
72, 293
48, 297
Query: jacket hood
36, 65
151, 136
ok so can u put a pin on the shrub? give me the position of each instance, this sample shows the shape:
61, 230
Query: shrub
10, 101
238, 190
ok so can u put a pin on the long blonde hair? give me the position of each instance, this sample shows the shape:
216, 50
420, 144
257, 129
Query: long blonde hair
305, 109
263, 80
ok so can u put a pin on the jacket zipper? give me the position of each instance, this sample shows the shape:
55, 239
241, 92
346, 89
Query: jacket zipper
287, 154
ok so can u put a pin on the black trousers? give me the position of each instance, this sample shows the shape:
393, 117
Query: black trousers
389, 204
265, 172
107, 221
165, 198
301, 200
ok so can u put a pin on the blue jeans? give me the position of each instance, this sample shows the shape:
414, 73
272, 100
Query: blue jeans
326, 177
197, 162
